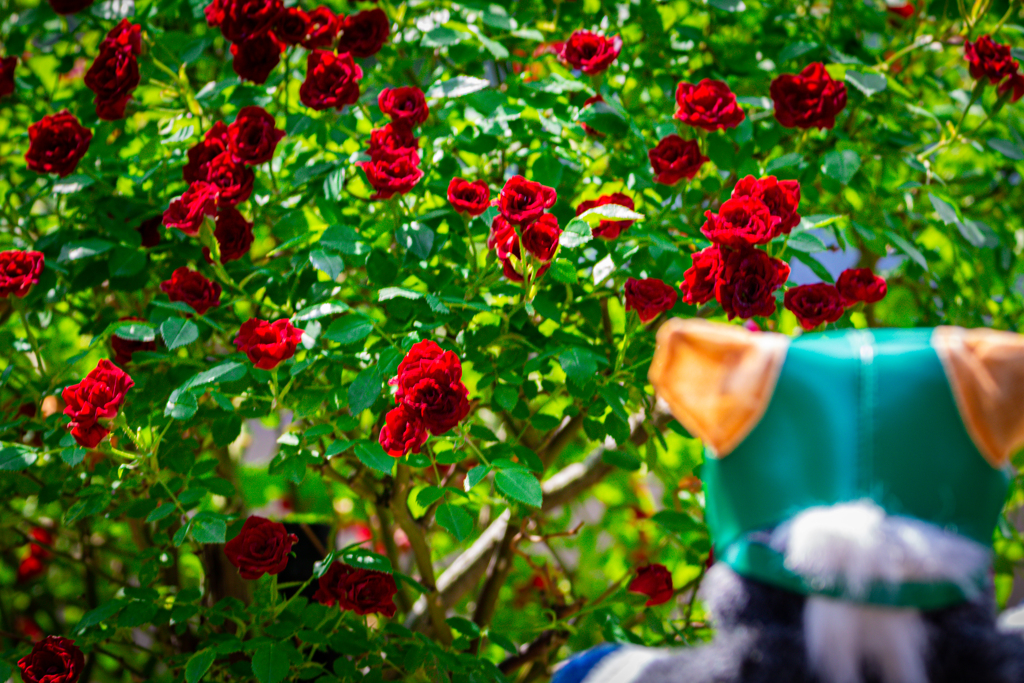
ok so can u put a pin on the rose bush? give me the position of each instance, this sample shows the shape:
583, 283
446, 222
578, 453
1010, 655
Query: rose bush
327, 326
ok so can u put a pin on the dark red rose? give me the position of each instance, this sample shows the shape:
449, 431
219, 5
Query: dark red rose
261, 547
113, 77
1014, 82
291, 26
589, 52
429, 383
57, 143
53, 660
654, 581
810, 99
471, 198
699, 280
403, 432
741, 222
233, 234
389, 178
522, 201
97, 397
323, 29
214, 143
390, 143
363, 591
782, 197
19, 270
674, 159
649, 297
215, 12
364, 33
331, 81
124, 349
406, 106
748, 281
186, 212
245, 19
903, 11
192, 288
861, 284
256, 57
7, 66
253, 137
513, 272
710, 105
30, 569
267, 343
149, 231
608, 229
588, 129
989, 59
540, 237
234, 179
45, 538
69, 6
503, 236
425, 359
814, 304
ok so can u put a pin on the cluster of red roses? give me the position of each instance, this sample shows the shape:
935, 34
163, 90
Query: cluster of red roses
32, 565
94, 401
523, 224
363, 591
54, 659
822, 302
114, 73
430, 397
394, 165
261, 547
993, 61
19, 270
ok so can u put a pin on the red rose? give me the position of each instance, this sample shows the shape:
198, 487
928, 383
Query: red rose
261, 547
469, 198
57, 143
124, 349
522, 201
741, 222
331, 81
291, 26
233, 234
19, 270
245, 19
674, 159
97, 397
114, 73
587, 129
406, 106
861, 284
421, 360
254, 58
589, 52
654, 581
186, 212
43, 536
69, 6
403, 432
192, 288
607, 229
810, 99
1014, 82
989, 59
363, 591
7, 66
390, 143
748, 281
29, 569
214, 143
700, 279
234, 179
149, 231
253, 137
389, 178
649, 297
364, 33
323, 29
903, 11
429, 382
53, 660
508, 268
503, 236
540, 237
814, 304
710, 105
782, 197
267, 343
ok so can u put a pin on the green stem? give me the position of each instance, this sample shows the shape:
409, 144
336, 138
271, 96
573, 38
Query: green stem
18, 305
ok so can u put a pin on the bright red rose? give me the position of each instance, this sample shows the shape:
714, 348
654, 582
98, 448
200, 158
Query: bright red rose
782, 197
861, 284
19, 270
245, 19
360, 590
291, 26
654, 581
30, 569
810, 99
53, 660
233, 234
421, 360
429, 383
503, 236
253, 137
748, 281
403, 432
57, 143
741, 222
389, 178
233, 179
608, 229
149, 231
989, 59
255, 58
1014, 82
124, 349
323, 29
700, 279
364, 33
540, 237
214, 143
471, 198
814, 304
406, 106
710, 105
69, 6
674, 159
390, 144
589, 52
331, 81
649, 297
261, 547
186, 212
594, 99
903, 11
522, 201
268, 343
192, 288
97, 397
7, 67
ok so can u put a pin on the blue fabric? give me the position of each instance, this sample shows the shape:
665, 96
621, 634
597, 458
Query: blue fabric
576, 669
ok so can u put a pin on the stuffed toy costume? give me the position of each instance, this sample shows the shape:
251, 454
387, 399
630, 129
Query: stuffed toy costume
853, 483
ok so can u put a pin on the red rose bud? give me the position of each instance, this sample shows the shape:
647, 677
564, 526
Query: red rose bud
291, 26
7, 67
267, 343
700, 279
710, 105
246, 19
654, 581
471, 198
587, 129
782, 197
69, 6
389, 178
362, 591
192, 288
674, 159
989, 59
589, 52
124, 349
861, 284
53, 660
608, 229
56, 144
149, 231
649, 297
323, 28
30, 569
261, 547
253, 137
390, 144
810, 99
814, 304
233, 234
114, 73
255, 58
741, 222
406, 106
903, 11
403, 432
234, 179
97, 397
19, 270
28, 628
522, 201
214, 143
748, 281
43, 536
186, 212
331, 81
1014, 82
364, 33
541, 237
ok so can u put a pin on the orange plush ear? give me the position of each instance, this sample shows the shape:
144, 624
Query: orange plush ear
717, 379
986, 372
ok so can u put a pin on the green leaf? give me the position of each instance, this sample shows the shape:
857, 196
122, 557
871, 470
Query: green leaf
16, 459
794, 50
576, 233
161, 512
429, 495
326, 262
442, 36
198, 665
372, 455
271, 662
784, 161
506, 396
180, 534
1008, 149
74, 251
360, 558
520, 485
603, 118
135, 331
679, 522
579, 364
209, 529
841, 166
349, 329
869, 84
563, 271
98, 615
73, 456
320, 311
612, 211
455, 520
947, 212
907, 248
70, 185
457, 86
806, 242
815, 265
364, 390
178, 332
476, 475
125, 262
